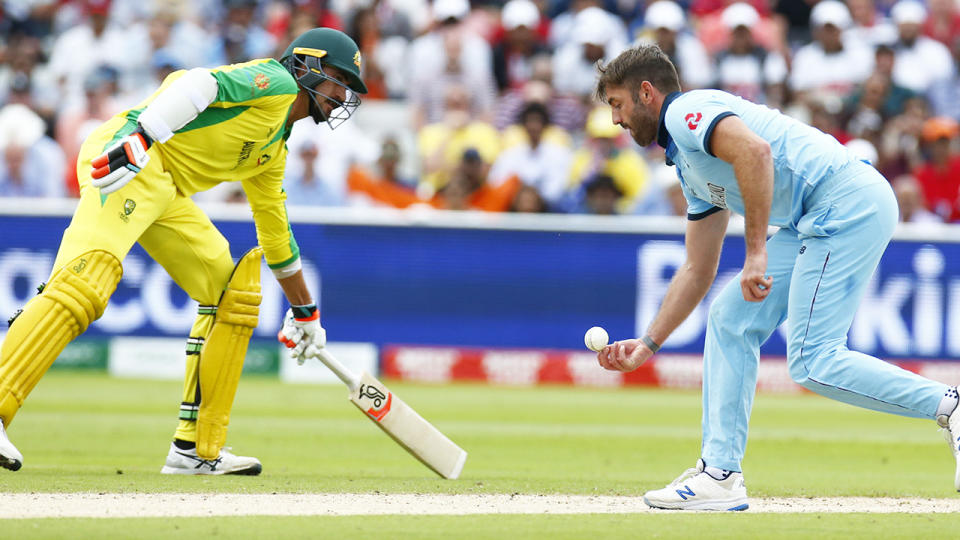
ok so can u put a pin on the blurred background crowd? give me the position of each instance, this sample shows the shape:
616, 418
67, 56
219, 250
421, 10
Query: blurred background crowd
487, 104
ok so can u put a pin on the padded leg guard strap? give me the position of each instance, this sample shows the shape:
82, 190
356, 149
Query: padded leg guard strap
75, 297
190, 404
224, 351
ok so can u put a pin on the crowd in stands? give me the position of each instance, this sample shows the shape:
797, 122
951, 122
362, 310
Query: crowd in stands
498, 111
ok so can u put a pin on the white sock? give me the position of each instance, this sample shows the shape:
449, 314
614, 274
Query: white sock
948, 404
717, 473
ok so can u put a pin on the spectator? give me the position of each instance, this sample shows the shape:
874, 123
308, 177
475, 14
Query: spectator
939, 175
383, 185
602, 196
566, 112
606, 151
713, 32
665, 195
863, 150
242, 35
746, 68
528, 201
667, 23
900, 145
304, 186
442, 144
831, 64
382, 34
825, 110
563, 27
920, 61
23, 79
873, 103
468, 188
449, 55
79, 50
943, 24
31, 164
538, 163
944, 95
794, 15
513, 56
910, 200
594, 39
869, 26
78, 119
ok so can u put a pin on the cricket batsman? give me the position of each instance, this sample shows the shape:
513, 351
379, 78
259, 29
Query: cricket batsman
137, 173
835, 215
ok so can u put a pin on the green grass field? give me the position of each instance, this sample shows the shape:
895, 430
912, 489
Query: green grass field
91, 433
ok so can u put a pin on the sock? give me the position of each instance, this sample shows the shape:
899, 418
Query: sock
717, 473
184, 445
947, 405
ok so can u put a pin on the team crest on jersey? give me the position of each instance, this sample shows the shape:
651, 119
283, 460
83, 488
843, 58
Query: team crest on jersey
261, 81
356, 59
129, 206
693, 120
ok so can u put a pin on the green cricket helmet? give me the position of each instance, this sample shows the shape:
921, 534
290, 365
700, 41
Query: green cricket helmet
305, 58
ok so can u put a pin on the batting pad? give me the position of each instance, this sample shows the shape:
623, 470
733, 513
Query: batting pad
75, 297
223, 353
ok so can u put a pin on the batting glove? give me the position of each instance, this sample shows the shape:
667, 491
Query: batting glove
121, 162
302, 333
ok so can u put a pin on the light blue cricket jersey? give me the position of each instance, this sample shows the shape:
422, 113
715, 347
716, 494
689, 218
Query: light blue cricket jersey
803, 156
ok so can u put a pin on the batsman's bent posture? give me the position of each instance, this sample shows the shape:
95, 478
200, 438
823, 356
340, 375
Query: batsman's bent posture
137, 173
836, 216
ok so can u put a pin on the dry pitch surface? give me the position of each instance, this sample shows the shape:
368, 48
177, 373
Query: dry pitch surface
107, 505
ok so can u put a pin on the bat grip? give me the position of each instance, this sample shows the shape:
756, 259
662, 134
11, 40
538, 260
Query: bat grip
338, 369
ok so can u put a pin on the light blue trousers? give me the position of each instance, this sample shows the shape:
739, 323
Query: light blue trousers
820, 271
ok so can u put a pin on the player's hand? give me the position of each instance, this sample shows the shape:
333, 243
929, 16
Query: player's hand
626, 355
754, 284
121, 162
303, 336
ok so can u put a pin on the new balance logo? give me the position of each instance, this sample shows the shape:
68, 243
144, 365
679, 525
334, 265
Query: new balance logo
683, 493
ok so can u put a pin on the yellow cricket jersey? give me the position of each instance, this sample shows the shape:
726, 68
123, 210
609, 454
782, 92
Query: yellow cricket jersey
241, 137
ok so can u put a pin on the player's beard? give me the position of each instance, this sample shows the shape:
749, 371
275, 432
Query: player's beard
643, 125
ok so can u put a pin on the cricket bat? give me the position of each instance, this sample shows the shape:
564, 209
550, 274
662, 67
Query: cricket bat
399, 421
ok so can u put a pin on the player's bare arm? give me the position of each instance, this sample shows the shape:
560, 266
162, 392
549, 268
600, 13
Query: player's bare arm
750, 155
691, 282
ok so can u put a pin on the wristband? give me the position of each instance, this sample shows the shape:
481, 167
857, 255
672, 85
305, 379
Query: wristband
650, 343
305, 313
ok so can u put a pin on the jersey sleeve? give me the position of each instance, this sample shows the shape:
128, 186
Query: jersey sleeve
268, 203
691, 119
697, 208
255, 83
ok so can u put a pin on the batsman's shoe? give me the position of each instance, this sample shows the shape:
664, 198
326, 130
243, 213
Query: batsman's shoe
951, 432
10, 457
188, 462
697, 490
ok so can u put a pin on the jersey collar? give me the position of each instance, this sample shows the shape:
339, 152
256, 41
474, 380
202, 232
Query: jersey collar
663, 136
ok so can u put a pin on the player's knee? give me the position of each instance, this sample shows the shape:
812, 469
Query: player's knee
807, 360
84, 285
722, 316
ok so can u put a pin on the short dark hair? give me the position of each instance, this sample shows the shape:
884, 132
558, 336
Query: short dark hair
635, 65
534, 108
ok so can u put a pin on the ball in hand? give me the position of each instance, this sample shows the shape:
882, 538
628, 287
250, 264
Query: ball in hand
596, 339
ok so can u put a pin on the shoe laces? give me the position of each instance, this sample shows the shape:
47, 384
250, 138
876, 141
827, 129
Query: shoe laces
687, 474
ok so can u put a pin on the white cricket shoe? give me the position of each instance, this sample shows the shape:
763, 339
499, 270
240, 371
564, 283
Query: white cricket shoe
188, 462
951, 432
697, 490
10, 457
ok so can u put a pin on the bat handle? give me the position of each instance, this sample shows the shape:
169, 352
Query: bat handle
338, 369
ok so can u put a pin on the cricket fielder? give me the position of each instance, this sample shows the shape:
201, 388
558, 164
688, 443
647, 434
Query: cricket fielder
836, 215
137, 173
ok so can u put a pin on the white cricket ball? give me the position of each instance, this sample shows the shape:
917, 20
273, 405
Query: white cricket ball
596, 339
